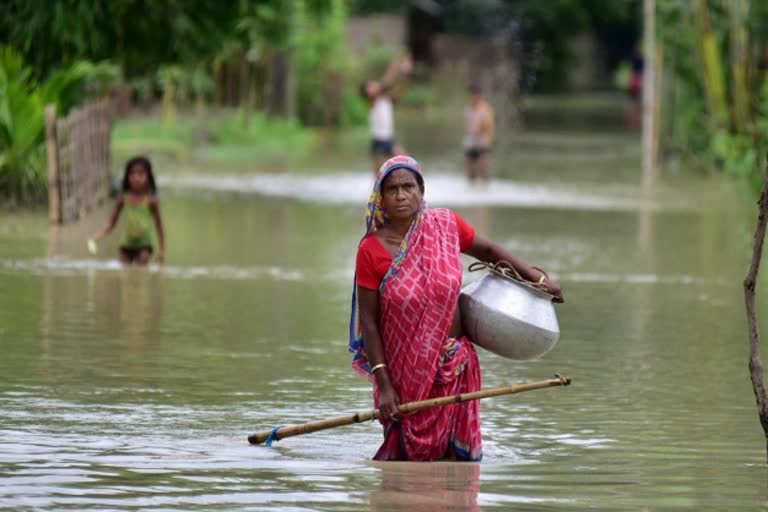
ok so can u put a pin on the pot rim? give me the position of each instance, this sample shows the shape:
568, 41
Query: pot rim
523, 284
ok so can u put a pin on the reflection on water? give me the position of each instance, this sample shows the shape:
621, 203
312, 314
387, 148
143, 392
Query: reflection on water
427, 487
62, 266
135, 389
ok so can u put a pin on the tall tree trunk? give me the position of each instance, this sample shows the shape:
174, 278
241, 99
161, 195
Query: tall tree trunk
246, 86
218, 79
291, 110
755, 358
712, 67
169, 91
738, 15
669, 101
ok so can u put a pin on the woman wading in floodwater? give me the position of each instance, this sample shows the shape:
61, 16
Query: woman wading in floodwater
405, 332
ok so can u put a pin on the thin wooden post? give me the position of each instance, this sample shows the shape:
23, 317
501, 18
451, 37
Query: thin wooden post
755, 358
649, 92
52, 148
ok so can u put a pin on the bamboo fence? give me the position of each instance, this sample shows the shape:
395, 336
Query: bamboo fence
78, 148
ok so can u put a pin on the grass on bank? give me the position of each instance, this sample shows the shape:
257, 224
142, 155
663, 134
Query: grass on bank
220, 137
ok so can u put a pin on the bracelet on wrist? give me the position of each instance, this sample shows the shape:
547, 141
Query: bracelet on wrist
378, 367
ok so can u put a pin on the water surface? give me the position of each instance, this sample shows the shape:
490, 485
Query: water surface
135, 389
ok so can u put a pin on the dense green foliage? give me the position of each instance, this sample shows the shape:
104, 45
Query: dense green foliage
22, 159
184, 49
141, 36
321, 61
187, 53
137, 35
22, 99
716, 98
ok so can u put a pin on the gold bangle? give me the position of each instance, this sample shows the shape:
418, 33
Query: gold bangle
542, 278
378, 366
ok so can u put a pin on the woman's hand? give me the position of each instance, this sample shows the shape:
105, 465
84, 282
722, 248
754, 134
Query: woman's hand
491, 252
552, 288
388, 402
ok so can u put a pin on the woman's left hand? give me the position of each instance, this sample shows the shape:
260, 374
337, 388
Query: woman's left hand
406, 64
552, 288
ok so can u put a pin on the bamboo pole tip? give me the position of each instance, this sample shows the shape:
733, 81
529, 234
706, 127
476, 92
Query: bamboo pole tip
564, 381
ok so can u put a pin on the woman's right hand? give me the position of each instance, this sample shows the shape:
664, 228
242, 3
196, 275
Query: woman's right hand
388, 402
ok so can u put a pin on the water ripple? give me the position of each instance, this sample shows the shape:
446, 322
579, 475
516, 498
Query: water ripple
341, 188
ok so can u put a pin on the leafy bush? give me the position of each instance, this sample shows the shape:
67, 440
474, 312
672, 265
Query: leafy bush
354, 110
68, 87
23, 173
322, 62
22, 157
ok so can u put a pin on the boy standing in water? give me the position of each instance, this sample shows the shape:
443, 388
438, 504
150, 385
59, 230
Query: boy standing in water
381, 118
478, 134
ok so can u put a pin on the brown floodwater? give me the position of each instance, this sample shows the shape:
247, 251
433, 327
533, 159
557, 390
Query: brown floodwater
135, 389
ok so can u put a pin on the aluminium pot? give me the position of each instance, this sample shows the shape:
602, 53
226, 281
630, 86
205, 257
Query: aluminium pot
508, 317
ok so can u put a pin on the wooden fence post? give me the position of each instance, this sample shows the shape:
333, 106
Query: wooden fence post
52, 147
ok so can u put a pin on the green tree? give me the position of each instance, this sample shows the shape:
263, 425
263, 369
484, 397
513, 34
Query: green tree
22, 98
715, 52
21, 129
138, 35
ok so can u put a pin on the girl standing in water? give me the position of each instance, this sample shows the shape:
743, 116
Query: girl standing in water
139, 202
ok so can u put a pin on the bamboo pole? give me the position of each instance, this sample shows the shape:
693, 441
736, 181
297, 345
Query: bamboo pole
52, 148
313, 426
649, 91
755, 358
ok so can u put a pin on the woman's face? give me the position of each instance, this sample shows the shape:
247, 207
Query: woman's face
138, 178
400, 194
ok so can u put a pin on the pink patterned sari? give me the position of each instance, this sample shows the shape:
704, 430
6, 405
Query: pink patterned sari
418, 298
